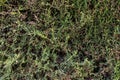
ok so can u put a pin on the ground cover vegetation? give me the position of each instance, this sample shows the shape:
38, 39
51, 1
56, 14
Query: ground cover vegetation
59, 39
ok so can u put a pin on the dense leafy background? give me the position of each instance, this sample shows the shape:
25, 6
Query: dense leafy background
59, 40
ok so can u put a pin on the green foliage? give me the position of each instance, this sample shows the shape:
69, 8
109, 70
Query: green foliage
2, 2
59, 40
117, 71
